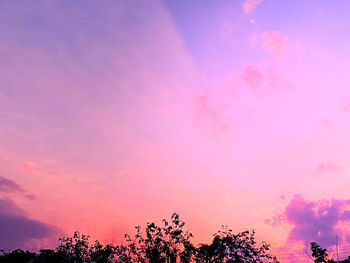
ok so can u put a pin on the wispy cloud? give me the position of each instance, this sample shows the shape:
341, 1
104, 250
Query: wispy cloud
274, 43
10, 186
250, 5
207, 115
252, 75
7, 185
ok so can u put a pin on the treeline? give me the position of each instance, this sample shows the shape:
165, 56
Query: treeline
169, 243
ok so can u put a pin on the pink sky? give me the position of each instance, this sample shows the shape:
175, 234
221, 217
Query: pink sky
229, 113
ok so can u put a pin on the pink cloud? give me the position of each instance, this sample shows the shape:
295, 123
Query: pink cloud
30, 168
346, 107
207, 114
252, 75
250, 5
277, 220
203, 107
274, 43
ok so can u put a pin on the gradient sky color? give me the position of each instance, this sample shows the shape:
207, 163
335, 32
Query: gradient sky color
115, 113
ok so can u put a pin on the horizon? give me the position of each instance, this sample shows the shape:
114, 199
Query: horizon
228, 112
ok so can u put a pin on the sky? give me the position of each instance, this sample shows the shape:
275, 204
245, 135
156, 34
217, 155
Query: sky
229, 112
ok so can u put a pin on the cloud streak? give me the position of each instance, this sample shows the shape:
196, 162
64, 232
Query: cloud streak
7, 185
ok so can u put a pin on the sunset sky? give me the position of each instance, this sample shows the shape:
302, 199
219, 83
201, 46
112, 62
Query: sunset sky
229, 112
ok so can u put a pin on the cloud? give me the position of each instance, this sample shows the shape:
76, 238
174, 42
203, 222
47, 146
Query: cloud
274, 43
10, 186
346, 107
265, 77
7, 206
30, 196
315, 220
277, 220
328, 167
252, 75
7, 185
208, 115
250, 5
19, 231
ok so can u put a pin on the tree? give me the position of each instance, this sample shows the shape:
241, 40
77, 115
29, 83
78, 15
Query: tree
234, 248
166, 244
319, 254
50, 255
75, 249
16, 256
100, 254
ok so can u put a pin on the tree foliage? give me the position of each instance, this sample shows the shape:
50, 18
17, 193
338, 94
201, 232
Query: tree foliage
319, 254
168, 243
234, 248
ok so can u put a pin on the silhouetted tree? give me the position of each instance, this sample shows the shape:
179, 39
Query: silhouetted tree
100, 254
231, 248
50, 255
319, 254
75, 249
17, 256
166, 244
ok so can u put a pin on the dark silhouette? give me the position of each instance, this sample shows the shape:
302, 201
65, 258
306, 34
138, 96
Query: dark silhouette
320, 255
169, 243
17, 256
239, 248
160, 244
